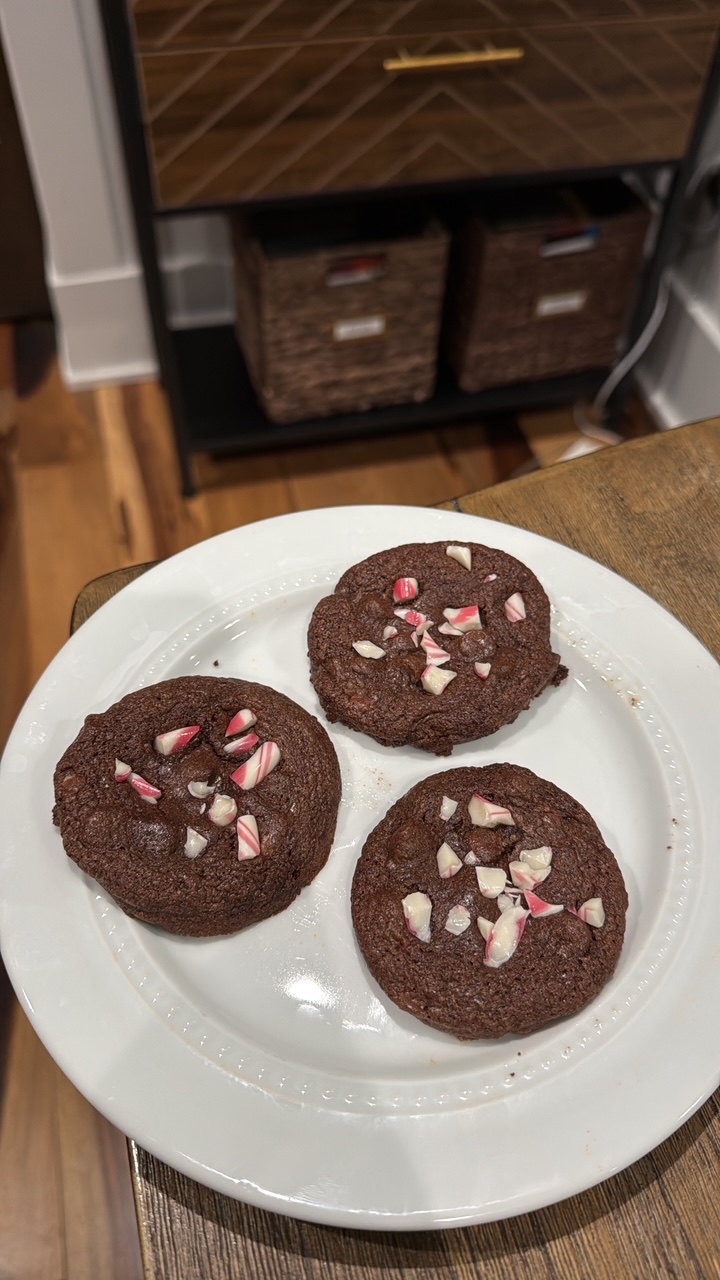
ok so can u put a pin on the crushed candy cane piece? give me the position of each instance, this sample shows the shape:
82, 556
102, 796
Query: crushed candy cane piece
248, 837
466, 619
436, 679
447, 808
515, 608
412, 617
491, 881
367, 649
591, 912
482, 669
463, 555
257, 767
505, 902
446, 630
122, 771
420, 631
417, 909
194, 843
241, 720
405, 589
144, 788
525, 877
448, 862
222, 810
458, 920
538, 908
537, 858
492, 577
435, 655
485, 813
389, 631
505, 937
470, 859
200, 790
485, 927
167, 744
240, 745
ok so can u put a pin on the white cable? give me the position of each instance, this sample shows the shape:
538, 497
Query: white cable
639, 346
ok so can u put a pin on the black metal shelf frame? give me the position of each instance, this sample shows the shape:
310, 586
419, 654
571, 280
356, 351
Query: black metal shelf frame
212, 403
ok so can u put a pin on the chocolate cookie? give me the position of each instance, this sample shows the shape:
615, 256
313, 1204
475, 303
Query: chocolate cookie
486, 903
432, 644
201, 804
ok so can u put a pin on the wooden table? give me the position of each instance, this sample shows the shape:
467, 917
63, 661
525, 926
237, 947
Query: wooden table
649, 509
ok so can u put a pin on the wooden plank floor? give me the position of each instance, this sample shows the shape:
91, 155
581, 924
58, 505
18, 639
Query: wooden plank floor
96, 487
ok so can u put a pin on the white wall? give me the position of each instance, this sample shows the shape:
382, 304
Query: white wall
680, 374
56, 59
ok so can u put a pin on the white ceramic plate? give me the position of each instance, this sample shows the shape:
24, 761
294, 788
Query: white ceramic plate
268, 1065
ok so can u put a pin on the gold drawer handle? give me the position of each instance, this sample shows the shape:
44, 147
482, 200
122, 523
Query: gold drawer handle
475, 58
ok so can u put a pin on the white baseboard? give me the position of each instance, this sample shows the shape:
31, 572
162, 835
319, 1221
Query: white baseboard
103, 329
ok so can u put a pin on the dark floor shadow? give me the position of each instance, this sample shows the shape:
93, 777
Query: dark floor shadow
35, 349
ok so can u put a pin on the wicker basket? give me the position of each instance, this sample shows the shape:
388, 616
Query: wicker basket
338, 318
532, 295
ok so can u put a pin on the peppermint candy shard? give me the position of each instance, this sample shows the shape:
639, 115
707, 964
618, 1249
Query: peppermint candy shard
447, 808
448, 862
538, 908
122, 771
200, 790
515, 608
435, 655
412, 617
420, 631
470, 859
504, 938
525, 877
222, 811
241, 745
194, 843
591, 912
463, 555
446, 630
436, 679
492, 577
389, 631
467, 619
482, 669
491, 881
405, 589
240, 721
485, 927
537, 858
167, 744
505, 902
484, 813
248, 837
257, 767
417, 909
144, 788
367, 649
458, 920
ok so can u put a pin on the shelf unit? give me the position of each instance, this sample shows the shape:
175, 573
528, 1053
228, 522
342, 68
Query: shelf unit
212, 403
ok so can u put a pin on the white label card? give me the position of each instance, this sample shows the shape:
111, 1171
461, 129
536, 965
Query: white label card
358, 327
561, 304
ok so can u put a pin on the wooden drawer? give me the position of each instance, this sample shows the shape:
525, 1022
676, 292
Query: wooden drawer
276, 120
187, 24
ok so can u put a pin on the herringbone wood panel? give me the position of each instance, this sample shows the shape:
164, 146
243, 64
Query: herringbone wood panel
246, 116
